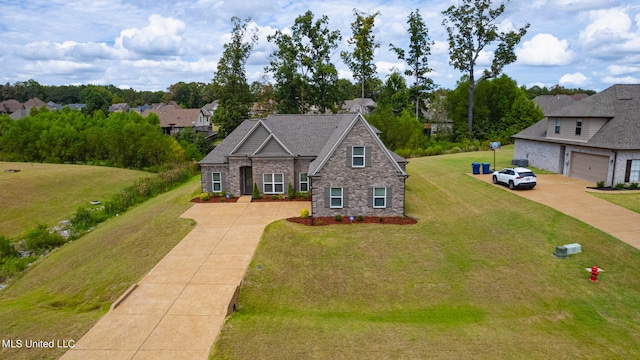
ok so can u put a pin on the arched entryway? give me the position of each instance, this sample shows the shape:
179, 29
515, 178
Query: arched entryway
246, 180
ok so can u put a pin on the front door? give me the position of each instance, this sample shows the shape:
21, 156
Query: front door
247, 180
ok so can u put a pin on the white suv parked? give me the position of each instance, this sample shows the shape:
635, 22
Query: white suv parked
515, 178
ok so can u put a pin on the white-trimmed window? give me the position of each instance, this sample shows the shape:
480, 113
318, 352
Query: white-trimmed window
304, 182
558, 123
357, 156
578, 126
633, 171
273, 183
335, 198
216, 182
379, 197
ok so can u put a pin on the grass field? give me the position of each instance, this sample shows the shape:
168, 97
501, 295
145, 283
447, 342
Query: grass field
630, 201
475, 278
49, 193
63, 295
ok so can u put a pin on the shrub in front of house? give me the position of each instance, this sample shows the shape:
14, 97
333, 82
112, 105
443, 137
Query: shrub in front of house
304, 213
338, 218
255, 194
600, 184
291, 192
633, 186
621, 186
204, 197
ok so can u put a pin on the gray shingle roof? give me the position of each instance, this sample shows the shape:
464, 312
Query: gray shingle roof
302, 135
549, 103
619, 103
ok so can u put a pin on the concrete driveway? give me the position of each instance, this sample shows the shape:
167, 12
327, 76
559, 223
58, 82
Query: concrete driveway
571, 196
177, 310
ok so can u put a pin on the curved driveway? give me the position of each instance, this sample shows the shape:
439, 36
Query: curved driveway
570, 196
177, 310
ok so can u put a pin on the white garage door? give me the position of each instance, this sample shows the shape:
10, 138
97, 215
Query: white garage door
589, 167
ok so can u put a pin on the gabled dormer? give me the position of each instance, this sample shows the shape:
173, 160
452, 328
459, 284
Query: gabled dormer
574, 128
260, 141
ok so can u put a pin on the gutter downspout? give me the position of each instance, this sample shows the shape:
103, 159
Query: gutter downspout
615, 160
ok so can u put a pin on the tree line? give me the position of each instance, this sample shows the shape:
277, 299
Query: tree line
118, 140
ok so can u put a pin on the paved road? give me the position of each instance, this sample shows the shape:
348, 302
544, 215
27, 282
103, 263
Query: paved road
570, 196
177, 310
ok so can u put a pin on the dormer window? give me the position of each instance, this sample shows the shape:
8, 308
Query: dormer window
578, 127
357, 156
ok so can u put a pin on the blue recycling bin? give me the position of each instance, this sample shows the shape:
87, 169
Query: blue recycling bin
475, 166
486, 168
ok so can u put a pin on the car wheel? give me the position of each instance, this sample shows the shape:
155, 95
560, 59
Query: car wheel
511, 186
495, 179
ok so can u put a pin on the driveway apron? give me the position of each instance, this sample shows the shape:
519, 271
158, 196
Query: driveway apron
570, 196
177, 310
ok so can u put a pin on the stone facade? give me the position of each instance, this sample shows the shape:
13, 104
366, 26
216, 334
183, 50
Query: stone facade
358, 182
207, 179
263, 166
324, 155
542, 155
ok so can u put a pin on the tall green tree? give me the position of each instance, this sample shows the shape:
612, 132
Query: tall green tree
360, 61
472, 27
417, 58
230, 81
394, 95
501, 109
97, 98
302, 62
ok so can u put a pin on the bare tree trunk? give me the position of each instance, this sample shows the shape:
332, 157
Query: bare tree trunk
472, 87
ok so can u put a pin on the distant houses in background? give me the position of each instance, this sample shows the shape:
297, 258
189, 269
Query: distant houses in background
17, 110
174, 118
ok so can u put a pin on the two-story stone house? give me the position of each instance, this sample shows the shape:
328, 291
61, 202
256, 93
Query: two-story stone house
339, 159
595, 139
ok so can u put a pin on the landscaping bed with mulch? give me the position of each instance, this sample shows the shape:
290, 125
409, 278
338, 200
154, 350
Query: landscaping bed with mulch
330, 220
270, 199
215, 200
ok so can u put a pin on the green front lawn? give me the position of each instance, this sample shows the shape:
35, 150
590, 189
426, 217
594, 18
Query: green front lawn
64, 294
48, 193
475, 278
629, 200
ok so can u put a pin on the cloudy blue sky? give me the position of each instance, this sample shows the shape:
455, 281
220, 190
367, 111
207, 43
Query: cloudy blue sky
151, 44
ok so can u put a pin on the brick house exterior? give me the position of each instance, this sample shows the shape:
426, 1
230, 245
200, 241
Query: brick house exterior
595, 138
339, 159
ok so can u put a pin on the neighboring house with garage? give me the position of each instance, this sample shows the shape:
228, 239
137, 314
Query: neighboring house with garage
338, 158
595, 139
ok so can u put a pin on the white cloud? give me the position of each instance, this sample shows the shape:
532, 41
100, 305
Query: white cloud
581, 5
544, 49
385, 67
616, 70
68, 50
576, 79
621, 80
607, 26
162, 36
61, 67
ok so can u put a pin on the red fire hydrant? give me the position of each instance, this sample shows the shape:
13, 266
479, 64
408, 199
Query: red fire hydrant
594, 273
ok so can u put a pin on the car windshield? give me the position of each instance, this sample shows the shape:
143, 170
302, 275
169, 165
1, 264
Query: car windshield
526, 173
